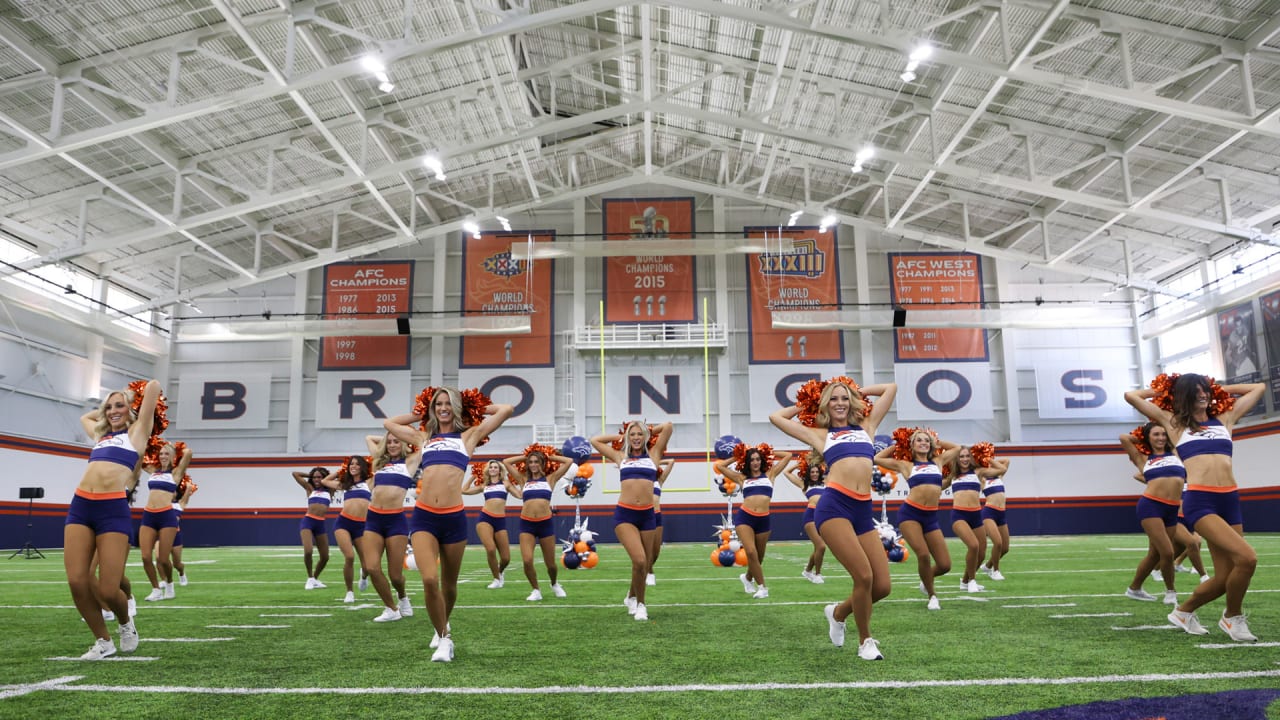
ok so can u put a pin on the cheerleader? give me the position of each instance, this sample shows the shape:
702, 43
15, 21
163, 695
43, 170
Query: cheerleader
186, 488
664, 469
919, 456
535, 475
966, 513
837, 420
352, 480
452, 429
159, 520
491, 526
1162, 472
637, 452
98, 517
757, 468
386, 528
807, 475
311, 528
993, 518
1199, 415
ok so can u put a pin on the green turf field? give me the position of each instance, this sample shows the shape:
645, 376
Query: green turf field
1058, 631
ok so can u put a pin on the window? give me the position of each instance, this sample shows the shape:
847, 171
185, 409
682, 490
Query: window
1198, 363
1252, 263
123, 300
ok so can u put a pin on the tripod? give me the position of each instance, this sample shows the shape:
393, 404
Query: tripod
28, 550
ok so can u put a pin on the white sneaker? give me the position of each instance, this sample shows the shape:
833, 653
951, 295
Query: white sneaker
364, 583
406, 607
748, 586
835, 628
317, 584
101, 649
559, 591
108, 616
630, 604
128, 637
817, 579
1187, 621
1205, 578
169, 593
870, 650
1170, 597
1157, 576
133, 607
650, 579
535, 596
923, 590
1139, 594
443, 653
933, 603
986, 570
996, 575
311, 584
388, 615
154, 595
1181, 567
642, 613
972, 586
761, 594
182, 580
350, 597
495, 585
435, 636
1236, 628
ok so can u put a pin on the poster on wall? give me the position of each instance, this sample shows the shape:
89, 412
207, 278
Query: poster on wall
1271, 329
806, 277
494, 284
927, 281
1237, 340
649, 288
366, 290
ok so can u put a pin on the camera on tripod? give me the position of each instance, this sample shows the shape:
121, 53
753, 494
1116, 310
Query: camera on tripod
30, 494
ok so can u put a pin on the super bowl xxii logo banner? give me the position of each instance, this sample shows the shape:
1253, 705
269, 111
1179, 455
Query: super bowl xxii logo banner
803, 276
495, 284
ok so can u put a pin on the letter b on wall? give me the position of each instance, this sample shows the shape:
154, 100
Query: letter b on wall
238, 402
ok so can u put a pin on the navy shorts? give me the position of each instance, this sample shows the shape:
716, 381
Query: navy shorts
160, 519
808, 516
537, 528
928, 519
758, 523
1197, 504
315, 525
177, 538
996, 514
835, 504
386, 524
642, 519
354, 527
1149, 508
102, 516
447, 527
499, 524
657, 518
972, 518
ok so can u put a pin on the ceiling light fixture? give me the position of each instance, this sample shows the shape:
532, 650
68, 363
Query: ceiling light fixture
922, 52
471, 228
862, 156
791, 221
433, 163
373, 64
827, 221
506, 224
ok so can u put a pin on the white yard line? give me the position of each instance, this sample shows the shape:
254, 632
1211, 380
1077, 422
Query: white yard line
1091, 615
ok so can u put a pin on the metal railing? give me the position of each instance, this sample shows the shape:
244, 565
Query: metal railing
650, 336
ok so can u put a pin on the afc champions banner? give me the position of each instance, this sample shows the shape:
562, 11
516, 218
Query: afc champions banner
1238, 342
807, 276
942, 373
366, 290
1271, 330
645, 288
514, 369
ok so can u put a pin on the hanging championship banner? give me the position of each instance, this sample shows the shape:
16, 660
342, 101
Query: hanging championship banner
1271, 329
494, 284
925, 281
649, 288
1237, 340
366, 290
803, 278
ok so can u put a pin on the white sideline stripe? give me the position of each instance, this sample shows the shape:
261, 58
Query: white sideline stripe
8, 691
283, 555
1125, 549
113, 658
1234, 645
295, 614
1089, 615
1040, 606
248, 627
1145, 627
646, 689
187, 562
189, 640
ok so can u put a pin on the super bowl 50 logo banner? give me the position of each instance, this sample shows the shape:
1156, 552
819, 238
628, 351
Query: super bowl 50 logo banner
805, 277
649, 288
495, 284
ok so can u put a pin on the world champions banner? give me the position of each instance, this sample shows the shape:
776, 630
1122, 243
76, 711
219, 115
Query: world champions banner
807, 277
937, 281
364, 290
495, 284
649, 288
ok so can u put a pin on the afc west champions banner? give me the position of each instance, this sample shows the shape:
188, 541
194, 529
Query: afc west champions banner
1271, 330
942, 373
366, 290
494, 284
649, 288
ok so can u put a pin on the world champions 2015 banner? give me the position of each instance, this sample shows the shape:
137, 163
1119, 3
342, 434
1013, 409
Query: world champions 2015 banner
515, 369
941, 373
807, 276
647, 288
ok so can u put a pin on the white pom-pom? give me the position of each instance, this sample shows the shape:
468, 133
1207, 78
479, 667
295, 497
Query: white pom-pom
586, 536
410, 562
734, 545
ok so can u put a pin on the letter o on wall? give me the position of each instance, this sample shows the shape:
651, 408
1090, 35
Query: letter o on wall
527, 394
926, 382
